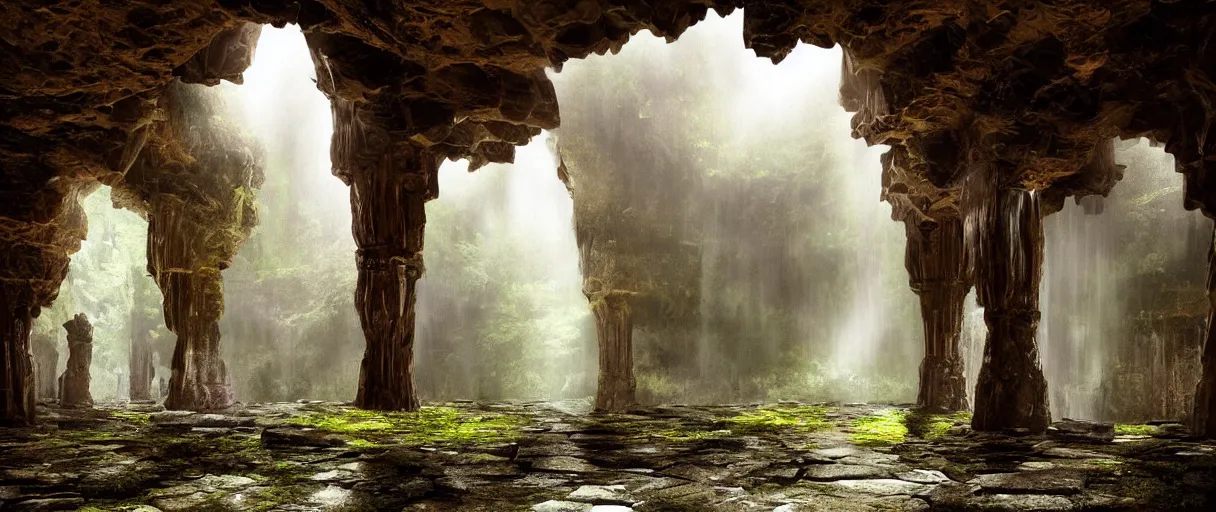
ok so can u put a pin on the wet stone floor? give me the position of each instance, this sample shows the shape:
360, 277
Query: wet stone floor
557, 457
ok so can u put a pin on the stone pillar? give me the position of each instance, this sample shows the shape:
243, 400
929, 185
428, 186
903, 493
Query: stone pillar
17, 313
139, 386
46, 361
35, 245
614, 331
935, 259
1005, 236
389, 218
193, 303
390, 182
198, 180
1203, 419
75, 380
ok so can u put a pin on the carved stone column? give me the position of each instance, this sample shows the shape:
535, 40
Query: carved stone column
390, 183
1005, 235
389, 217
935, 260
75, 380
614, 331
1203, 419
46, 361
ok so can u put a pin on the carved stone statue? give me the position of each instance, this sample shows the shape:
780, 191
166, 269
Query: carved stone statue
74, 391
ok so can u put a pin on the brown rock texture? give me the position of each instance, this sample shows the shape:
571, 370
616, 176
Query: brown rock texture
197, 182
74, 383
1005, 235
616, 390
937, 269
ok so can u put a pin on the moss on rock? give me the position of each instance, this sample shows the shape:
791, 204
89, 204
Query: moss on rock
429, 425
883, 429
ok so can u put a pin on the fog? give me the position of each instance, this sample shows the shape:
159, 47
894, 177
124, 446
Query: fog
732, 203
1122, 299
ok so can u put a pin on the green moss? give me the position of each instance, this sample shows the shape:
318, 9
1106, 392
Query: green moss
680, 435
882, 429
933, 426
430, 425
790, 419
1125, 429
275, 495
137, 418
1105, 463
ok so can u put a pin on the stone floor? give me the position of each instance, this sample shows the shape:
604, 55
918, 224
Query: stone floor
555, 457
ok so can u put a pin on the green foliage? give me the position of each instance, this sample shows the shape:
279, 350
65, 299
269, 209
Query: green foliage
882, 429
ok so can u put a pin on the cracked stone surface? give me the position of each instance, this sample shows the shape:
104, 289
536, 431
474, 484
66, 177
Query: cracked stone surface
559, 458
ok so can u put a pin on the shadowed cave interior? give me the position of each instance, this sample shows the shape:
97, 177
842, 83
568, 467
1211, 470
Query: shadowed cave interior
770, 256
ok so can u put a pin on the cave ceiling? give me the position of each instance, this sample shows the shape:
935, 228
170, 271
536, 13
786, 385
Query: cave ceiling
1035, 89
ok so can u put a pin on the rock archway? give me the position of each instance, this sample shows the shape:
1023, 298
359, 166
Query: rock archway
1027, 94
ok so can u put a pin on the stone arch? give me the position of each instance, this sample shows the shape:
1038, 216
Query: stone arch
1027, 96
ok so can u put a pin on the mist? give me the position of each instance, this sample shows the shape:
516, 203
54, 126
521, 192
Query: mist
1122, 300
722, 191
748, 218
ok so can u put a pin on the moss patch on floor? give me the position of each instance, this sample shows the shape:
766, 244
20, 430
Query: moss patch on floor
931, 427
779, 419
1127, 429
883, 429
429, 425
135, 418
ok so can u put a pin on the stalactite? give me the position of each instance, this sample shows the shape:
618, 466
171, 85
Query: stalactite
75, 381
46, 362
937, 270
1004, 235
614, 330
